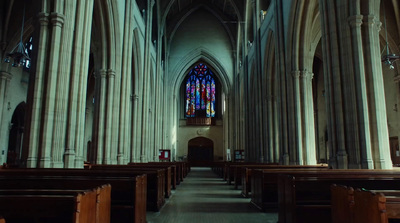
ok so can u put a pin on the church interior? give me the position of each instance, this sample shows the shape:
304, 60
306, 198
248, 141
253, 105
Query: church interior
110, 82
310, 83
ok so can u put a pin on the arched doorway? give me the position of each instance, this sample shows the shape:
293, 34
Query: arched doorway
15, 154
200, 150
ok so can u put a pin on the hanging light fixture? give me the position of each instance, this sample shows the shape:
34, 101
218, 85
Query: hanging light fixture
19, 54
388, 58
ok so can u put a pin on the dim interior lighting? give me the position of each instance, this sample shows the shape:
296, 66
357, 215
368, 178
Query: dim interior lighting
388, 58
19, 54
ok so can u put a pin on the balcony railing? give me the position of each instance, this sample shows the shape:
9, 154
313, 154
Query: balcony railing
200, 121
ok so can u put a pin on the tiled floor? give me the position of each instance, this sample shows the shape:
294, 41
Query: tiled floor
203, 197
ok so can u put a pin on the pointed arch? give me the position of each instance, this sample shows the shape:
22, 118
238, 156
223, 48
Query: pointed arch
199, 54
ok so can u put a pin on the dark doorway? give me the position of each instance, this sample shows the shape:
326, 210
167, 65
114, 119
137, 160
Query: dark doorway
200, 150
394, 150
15, 153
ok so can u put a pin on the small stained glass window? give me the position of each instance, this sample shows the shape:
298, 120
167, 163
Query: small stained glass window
28, 51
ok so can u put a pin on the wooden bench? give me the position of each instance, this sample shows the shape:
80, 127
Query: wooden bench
264, 186
155, 180
369, 207
128, 194
244, 173
167, 172
344, 205
102, 201
182, 169
67, 208
305, 196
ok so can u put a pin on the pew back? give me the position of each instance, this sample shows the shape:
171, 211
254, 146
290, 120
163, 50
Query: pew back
76, 208
305, 197
102, 201
128, 194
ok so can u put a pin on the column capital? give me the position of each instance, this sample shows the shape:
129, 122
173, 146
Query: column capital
43, 18
111, 73
101, 73
355, 20
296, 74
57, 19
306, 74
5, 75
372, 20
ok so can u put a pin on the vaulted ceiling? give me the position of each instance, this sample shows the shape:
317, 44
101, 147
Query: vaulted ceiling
172, 12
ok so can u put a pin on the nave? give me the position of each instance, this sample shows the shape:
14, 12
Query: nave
203, 197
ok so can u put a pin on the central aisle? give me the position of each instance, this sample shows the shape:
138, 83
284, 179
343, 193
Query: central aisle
203, 197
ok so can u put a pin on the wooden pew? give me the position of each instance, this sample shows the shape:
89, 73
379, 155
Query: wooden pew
102, 202
305, 196
243, 173
71, 208
264, 186
176, 170
155, 180
218, 168
392, 203
167, 170
183, 169
369, 207
343, 204
128, 194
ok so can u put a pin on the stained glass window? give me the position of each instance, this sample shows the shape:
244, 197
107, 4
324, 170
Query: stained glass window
200, 92
28, 50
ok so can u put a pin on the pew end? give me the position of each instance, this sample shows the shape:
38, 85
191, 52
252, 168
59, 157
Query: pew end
369, 207
342, 201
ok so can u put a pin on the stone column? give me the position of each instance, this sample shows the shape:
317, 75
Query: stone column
298, 119
126, 98
361, 92
333, 84
308, 118
58, 137
275, 126
63, 80
5, 78
57, 20
376, 93
135, 151
108, 119
270, 127
100, 101
35, 96
146, 84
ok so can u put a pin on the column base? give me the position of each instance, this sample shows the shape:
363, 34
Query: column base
57, 165
342, 162
69, 158
367, 164
45, 162
31, 162
120, 159
79, 162
285, 159
384, 164
143, 159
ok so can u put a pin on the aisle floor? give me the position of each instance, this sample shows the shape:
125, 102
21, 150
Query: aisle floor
203, 197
